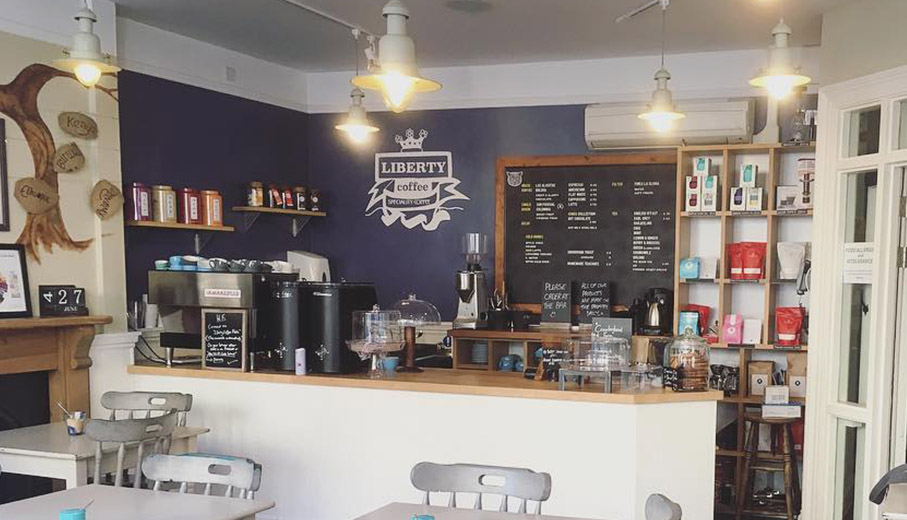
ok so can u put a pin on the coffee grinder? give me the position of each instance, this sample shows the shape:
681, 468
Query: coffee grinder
471, 288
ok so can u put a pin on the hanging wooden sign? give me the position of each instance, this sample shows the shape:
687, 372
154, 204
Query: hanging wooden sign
68, 158
106, 199
78, 124
36, 196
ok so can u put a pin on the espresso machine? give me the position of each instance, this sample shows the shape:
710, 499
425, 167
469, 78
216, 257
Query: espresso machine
471, 287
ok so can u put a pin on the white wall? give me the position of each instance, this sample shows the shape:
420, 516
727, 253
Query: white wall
862, 37
700, 75
52, 20
163, 54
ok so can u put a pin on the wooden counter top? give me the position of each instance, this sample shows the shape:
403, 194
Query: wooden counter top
442, 381
53, 322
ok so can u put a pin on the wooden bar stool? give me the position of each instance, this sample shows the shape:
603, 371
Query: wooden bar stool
784, 462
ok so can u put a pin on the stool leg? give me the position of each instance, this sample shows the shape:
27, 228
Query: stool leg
795, 470
787, 448
750, 448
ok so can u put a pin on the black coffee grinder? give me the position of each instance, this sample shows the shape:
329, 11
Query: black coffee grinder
659, 312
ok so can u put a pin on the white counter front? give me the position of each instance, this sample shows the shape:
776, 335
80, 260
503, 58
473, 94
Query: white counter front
335, 452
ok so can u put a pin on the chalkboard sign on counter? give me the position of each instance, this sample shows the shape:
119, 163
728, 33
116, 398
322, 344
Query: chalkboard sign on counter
603, 218
593, 300
224, 335
556, 302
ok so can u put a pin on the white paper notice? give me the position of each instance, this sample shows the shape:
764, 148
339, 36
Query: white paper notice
858, 262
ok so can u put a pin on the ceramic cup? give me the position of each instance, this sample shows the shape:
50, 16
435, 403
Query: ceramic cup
176, 261
253, 266
72, 514
161, 265
505, 364
236, 266
218, 264
75, 423
204, 264
390, 364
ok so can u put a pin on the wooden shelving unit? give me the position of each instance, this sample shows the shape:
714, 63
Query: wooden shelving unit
300, 218
499, 343
202, 232
726, 224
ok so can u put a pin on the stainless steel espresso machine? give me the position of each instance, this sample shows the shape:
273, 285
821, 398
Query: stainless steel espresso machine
471, 286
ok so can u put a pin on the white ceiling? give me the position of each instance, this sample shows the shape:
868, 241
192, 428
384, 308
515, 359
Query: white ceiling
479, 31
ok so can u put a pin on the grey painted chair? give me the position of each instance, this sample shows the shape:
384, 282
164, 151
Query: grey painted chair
236, 474
155, 430
660, 507
519, 483
128, 403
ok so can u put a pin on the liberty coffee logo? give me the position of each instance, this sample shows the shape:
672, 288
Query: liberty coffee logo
412, 186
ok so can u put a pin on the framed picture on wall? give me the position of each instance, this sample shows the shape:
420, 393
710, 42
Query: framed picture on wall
4, 185
15, 298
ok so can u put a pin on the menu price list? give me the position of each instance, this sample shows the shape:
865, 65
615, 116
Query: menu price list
613, 223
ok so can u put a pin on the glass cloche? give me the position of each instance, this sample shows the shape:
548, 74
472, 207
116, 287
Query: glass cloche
599, 353
415, 312
375, 333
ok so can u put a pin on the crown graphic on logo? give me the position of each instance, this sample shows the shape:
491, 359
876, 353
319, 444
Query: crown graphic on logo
411, 143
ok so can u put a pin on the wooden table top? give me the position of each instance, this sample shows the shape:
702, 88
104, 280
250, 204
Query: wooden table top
52, 441
120, 503
443, 381
398, 511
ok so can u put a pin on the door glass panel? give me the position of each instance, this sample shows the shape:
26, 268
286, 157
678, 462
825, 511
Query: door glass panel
861, 131
849, 494
901, 113
857, 291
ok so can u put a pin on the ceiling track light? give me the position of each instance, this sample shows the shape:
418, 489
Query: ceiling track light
84, 57
392, 66
661, 113
356, 125
781, 76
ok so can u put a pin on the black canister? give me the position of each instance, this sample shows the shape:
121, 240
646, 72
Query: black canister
282, 332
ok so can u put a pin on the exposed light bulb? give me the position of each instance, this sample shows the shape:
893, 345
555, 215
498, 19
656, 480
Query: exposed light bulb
397, 90
661, 122
358, 133
356, 125
781, 77
661, 114
87, 73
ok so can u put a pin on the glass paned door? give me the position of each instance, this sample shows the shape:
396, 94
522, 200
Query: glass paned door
849, 470
862, 129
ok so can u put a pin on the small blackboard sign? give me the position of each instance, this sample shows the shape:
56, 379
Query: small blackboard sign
556, 302
61, 300
224, 333
551, 363
593, 300
617, 327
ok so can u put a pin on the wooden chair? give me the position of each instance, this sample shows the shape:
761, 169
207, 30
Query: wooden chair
522, 484
126, 431
147, 402
660, 507
239, 474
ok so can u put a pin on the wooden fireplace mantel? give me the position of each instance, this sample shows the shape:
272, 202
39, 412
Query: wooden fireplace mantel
56, 345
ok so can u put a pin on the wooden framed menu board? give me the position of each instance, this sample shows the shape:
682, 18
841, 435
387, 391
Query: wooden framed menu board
224, 333
595, 219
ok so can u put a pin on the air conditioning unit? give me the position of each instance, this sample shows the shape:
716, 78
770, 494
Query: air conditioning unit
615, 125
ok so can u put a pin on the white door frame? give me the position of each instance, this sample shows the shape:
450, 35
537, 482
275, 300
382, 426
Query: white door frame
824, 409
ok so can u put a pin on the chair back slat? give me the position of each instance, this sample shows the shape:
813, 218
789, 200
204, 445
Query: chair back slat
147, 402
520, 483
125, 432
233, 473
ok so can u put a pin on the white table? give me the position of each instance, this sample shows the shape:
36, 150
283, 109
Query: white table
121, 503
398, 511
47, 450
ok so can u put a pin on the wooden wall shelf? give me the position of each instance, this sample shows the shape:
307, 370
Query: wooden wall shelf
202, 236
300, 218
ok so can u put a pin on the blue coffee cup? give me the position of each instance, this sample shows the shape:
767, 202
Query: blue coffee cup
72, 514
390, 364
176, 261
505, 364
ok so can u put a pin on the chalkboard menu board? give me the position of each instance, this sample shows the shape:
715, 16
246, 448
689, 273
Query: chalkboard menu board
224, 338
607, 218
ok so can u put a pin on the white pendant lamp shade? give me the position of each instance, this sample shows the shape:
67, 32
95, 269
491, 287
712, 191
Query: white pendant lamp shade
395, 73
356, 125
780, 77
84, 58
661, 114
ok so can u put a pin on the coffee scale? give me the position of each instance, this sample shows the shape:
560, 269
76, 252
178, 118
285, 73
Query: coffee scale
471, 287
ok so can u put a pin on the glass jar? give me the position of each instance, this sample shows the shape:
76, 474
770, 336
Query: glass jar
289, 200
211, 206
315, 203
255, 194
164, 203
302, 203
275, 196
141, 202
189, 210
688, 363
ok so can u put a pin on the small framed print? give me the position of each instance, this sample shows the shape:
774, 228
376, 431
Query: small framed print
15, 298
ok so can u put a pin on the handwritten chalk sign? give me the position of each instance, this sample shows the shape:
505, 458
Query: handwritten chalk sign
593, 300
224, 339
617, 327
556, 302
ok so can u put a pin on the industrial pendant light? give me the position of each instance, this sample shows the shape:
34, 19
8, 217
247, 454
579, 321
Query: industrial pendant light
661, 114
84, 58
356, 125
393, 70
781, 77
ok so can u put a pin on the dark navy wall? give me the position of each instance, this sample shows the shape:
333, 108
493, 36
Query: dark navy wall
400, 260
180, 135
